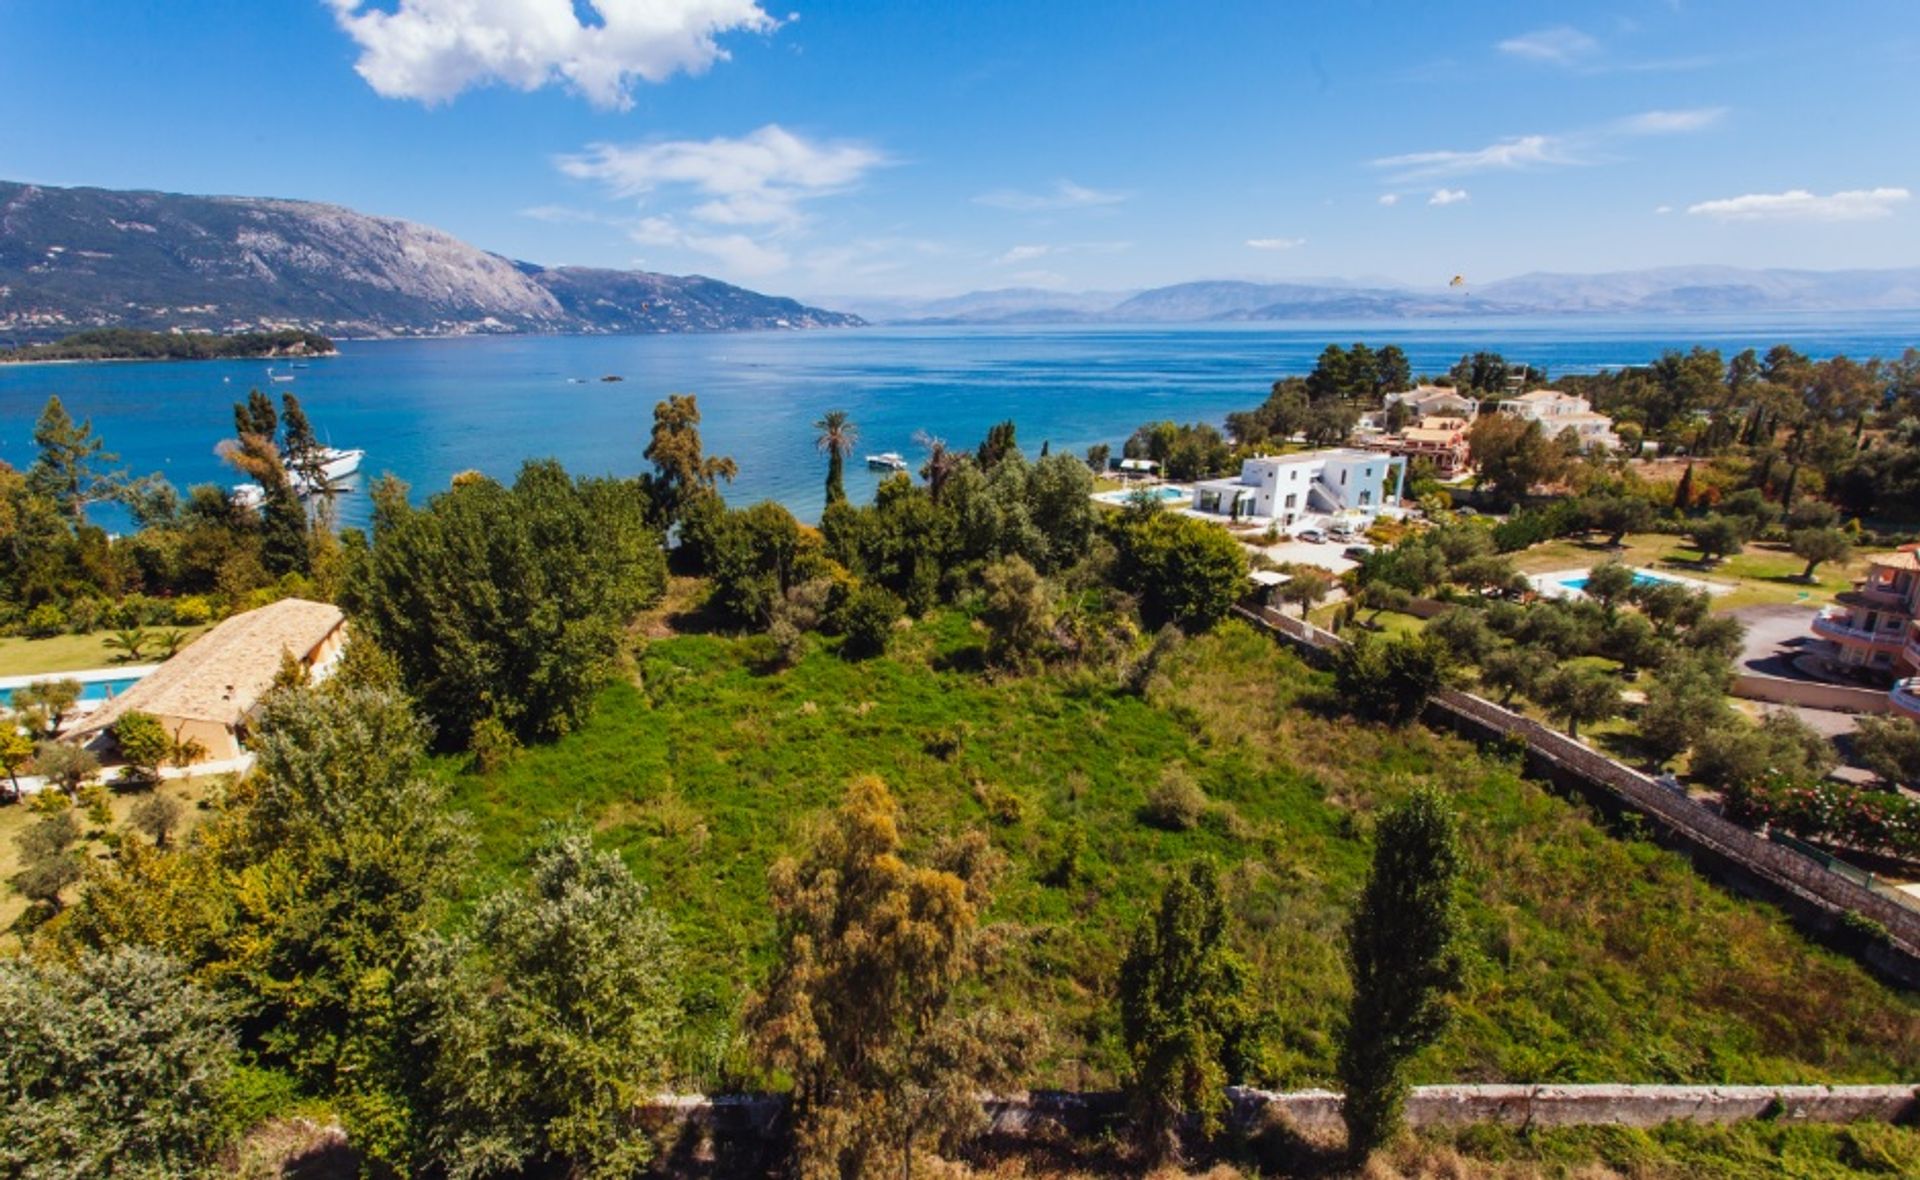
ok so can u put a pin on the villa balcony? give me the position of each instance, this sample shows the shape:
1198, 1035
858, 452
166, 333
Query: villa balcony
1839, 627
1906, 698
1878, 595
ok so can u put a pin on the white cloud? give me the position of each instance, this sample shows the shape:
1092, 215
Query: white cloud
1064, 194
1670, 122
1525, 151
1275, 243
1022, 254
758, 179
1561, 46
1447, 196
1663, 209
1515, 153
432, 50
1801, 205
1389, 198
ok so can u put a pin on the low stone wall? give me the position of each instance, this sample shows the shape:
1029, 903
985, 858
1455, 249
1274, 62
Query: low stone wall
1609, 1105
744, 1120
1813, 694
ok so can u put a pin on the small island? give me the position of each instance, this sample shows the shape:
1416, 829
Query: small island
127, 344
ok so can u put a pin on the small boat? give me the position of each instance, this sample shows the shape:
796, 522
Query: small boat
887, 461
335, 464
613, 377
273, 376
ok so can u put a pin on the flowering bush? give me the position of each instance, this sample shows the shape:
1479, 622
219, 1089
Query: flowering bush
1876, 821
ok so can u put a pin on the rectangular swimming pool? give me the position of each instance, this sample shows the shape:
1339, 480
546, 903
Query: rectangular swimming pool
90, 690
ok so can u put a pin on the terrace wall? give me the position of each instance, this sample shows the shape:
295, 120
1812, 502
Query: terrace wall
740, 1120
1817, 898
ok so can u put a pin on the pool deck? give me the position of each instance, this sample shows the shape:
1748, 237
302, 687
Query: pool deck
1553, 583
84, 676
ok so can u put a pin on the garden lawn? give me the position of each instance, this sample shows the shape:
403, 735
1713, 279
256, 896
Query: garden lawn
1765, 573
68, 653
1590, 958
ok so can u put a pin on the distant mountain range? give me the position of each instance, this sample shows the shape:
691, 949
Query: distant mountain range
74, 258
1673, 290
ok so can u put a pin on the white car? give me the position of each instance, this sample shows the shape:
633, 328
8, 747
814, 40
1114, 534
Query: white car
1312, 536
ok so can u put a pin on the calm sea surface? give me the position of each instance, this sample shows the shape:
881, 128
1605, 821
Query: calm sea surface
426, 409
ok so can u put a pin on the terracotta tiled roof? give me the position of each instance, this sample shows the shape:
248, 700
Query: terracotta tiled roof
223, 674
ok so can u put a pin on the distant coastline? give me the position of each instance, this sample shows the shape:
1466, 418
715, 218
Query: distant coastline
127, 344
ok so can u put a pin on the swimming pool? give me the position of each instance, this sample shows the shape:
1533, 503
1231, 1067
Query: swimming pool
90, 690
1640, 578
1165, 493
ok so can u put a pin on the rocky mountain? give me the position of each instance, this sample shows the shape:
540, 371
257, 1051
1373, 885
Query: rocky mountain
1688, 290
73, 258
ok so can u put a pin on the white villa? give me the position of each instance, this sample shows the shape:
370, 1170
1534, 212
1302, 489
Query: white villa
1284, 488
1558, 412
1436, 401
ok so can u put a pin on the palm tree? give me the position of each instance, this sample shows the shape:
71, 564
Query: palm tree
837, 436
130, 642
940, 464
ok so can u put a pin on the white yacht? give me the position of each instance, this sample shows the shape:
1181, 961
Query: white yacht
887, 461
335, 464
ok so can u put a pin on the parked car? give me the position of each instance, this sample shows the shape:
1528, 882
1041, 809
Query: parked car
1312, 536
1357, 552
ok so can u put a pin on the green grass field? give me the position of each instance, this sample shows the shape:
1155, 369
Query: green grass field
1765, 573
68, 653
1592, 958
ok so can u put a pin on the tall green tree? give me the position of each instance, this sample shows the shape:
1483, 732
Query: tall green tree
837, 437
1186, 571
862, 1012
1184, 1013
681, 466
116, 1065
1402, 955
511, 602
546, 1027
68, 470
256, 454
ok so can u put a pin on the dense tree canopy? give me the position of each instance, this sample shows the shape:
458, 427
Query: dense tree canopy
510, 602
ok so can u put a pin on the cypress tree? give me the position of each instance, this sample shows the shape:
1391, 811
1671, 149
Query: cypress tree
1402, 958
1683, 491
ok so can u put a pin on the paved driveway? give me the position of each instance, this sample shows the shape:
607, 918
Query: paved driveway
1327, 556
1775, 636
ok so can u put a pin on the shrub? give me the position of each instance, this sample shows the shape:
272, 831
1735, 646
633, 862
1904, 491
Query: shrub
114, 1066
1186, 571
1176, 802
1740, 753
866, 621
1390, 681
144, 743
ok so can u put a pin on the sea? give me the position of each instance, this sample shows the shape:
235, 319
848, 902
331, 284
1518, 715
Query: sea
425, 410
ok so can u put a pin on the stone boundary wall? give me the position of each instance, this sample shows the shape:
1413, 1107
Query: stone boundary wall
1740, 859
1813, 694
759, 1118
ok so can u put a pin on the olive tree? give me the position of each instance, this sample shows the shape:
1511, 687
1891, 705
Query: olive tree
547, 1025
115, 1065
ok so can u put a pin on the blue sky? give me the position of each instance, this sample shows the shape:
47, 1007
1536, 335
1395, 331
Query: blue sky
839, 148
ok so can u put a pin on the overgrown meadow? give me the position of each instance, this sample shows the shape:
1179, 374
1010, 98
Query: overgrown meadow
1594, 955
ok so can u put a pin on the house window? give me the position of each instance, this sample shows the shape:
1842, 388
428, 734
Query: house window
1291, 499
1366, 498
1343, 479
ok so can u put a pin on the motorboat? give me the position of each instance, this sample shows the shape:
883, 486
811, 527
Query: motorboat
887, 461
336, 464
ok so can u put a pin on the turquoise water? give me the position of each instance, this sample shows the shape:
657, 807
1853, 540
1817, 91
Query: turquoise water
91, 690
1639, 579
1163, 493
426, 409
